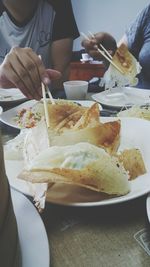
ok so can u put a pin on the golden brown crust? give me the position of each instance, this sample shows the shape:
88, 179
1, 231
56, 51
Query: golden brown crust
133, 162
124, 60
64, 114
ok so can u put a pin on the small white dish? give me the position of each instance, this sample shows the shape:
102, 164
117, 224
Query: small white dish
11, 95
123, 97
32, 234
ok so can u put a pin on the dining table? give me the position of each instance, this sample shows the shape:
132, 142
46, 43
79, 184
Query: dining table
116, 235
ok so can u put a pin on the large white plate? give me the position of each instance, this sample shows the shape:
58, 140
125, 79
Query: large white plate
123, 97
32, 234
11, 95
134, 133
8, 117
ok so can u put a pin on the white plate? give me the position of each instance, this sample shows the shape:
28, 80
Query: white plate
32, 234
1, 110
134, 133
123, 97
11, 95
148, 207
8, 117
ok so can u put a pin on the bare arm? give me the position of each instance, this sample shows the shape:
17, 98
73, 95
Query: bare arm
61, 56
23, 69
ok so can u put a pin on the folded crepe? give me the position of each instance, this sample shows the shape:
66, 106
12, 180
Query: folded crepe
64, 115
105, 135
81, 164
128, 65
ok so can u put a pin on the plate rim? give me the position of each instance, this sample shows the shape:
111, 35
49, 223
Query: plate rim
94, 96
22, 96
15, 194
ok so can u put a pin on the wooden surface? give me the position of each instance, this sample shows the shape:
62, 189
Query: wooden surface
97, 236
85, 71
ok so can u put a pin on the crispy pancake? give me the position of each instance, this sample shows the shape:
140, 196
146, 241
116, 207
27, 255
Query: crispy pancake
64, 114
82, 164
128, 65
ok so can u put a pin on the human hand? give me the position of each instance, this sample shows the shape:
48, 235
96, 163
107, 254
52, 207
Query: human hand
23, 69
92, 44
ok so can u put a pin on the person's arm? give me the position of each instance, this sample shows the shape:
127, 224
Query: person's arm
23, 69
61, 57
64, 32
103, 38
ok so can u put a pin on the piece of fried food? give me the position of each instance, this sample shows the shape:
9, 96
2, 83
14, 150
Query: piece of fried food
129, 68
82, 164
90, 118
133, 162
64, 115
126, 62
105, 135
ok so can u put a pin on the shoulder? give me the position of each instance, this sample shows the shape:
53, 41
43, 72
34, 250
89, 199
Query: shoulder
144, 14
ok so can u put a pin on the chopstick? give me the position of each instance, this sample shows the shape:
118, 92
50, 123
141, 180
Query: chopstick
50, 95
45, 105
46, 89
105, 50
103, 53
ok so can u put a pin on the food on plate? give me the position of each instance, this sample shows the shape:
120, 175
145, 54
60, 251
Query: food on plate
128, 65
77, 149
29, 117
69, 124
63, 114
81, 164
133, 162
105, 135
13, 149
136, 111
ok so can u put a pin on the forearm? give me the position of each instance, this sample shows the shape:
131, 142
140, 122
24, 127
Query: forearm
61, 57
58, 84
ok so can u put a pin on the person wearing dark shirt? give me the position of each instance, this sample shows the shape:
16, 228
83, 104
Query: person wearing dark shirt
48, 28
136, 38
